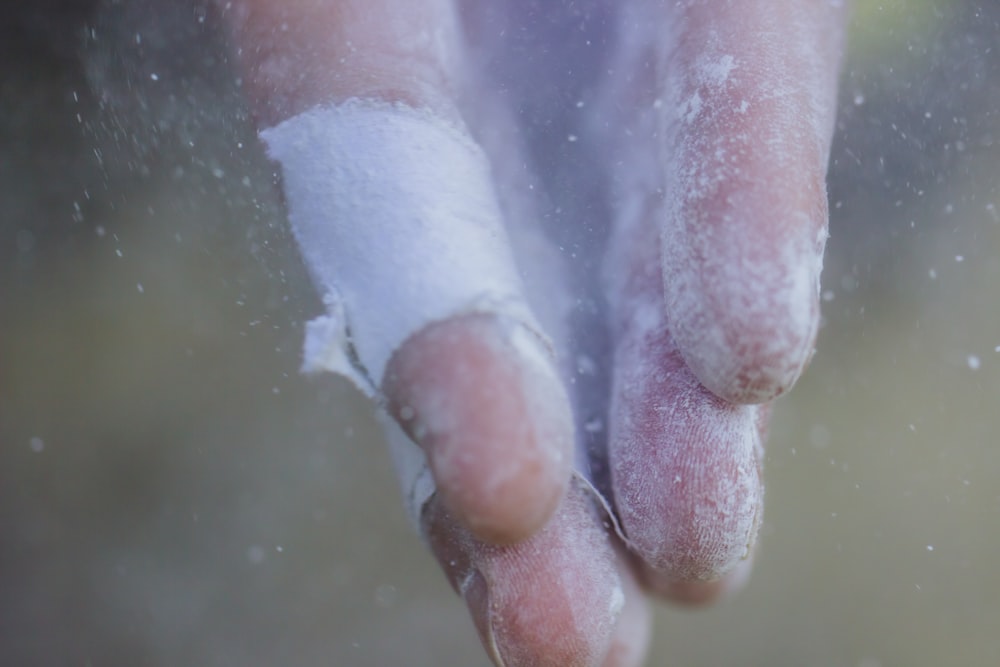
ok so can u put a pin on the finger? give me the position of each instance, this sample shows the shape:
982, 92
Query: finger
480, 396
553, 599
685, 464
746, 109
394, 208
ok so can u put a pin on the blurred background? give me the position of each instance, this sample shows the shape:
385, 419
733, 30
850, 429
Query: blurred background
172, 492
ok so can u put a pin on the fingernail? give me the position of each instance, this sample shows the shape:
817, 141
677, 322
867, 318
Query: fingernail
476, 594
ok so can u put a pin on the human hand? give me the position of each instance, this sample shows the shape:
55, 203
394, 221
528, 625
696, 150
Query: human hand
706, 131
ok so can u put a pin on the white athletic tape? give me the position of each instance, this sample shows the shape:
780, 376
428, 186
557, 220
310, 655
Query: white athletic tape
395, 213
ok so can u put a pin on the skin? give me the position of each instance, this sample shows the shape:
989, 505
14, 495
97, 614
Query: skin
695, 281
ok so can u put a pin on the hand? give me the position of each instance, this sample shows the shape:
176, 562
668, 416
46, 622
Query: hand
687, 192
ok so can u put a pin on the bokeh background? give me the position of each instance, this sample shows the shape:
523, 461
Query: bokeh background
172, 492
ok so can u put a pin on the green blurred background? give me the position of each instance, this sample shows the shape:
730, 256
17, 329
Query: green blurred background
172, 492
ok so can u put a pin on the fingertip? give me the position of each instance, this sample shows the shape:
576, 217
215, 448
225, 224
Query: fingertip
554, 599
743, 302
684, 464
480, 396
755, 345
697, 593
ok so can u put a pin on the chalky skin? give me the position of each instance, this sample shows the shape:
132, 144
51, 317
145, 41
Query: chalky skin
713, 273
710, 132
